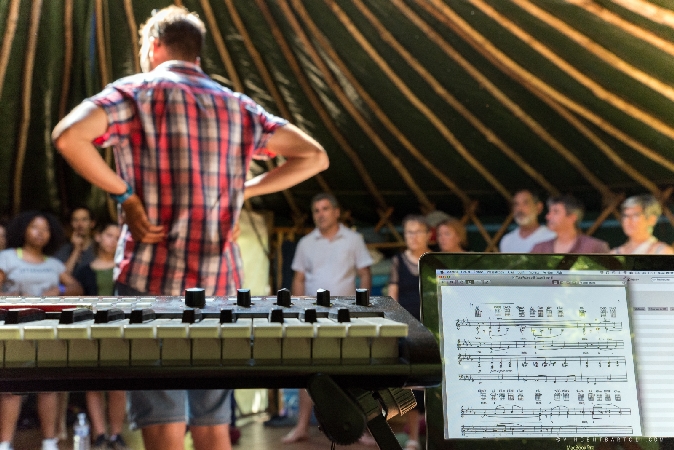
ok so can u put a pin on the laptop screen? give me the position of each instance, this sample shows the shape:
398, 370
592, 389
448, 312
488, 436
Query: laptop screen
550, 346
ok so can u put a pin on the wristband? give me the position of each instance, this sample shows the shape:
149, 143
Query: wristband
62, 289
121, 198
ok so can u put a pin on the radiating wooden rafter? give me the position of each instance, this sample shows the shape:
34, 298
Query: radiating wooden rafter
648, 10
362, 122
443, 93
225, 57
319, 107
598, 90
626, 26
597, 50
365, 96
65, 86
8, 39
272, 89
414, 100
484, 82
529, 80
133, 29
27, 85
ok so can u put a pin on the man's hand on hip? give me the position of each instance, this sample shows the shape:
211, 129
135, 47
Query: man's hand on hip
139, 224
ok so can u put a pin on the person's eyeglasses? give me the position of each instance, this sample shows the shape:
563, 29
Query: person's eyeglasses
412, 233
631, 216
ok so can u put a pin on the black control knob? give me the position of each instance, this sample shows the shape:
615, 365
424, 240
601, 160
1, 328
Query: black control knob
283, 298
323, 297
195, 297
362, 297
243, 298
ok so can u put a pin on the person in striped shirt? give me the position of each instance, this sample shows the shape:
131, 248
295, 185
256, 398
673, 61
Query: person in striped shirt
183, 145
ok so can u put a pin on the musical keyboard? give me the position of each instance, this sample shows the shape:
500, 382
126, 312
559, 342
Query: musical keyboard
106, 343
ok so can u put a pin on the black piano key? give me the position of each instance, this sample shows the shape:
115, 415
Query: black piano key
323, 297
227, 316
276, 315
142, 315
24, 315
342, 315
108, 315
309, 315
195, 297
362, 297
283, 298
192, 315
243, 298
74, 315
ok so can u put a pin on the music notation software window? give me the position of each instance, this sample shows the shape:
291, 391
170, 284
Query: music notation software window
557, 353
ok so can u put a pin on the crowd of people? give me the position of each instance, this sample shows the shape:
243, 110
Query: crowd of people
170, 127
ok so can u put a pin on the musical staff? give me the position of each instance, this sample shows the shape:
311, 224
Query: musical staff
544, 361
543, 324
561, 430
545, 378
517, 411
541, 344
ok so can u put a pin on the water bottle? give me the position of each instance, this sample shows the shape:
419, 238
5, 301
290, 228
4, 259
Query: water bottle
291, 403
81, 439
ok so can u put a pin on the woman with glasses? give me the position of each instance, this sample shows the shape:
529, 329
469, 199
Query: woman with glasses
640, 213
404, 288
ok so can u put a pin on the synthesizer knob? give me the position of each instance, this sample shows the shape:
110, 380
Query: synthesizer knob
243, 298
192, 315
323, 297
362, 297
195, 298
283, 298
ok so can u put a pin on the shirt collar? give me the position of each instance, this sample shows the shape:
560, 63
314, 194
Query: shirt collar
176, 65
339, 234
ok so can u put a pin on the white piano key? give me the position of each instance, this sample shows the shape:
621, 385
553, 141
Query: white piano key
113, 348
386, 345
388, 327
20, 353
356, 346
143, 343
236, 340
267, 340
82, 350
206, 343
49, 351
327, 343
296, 343
175, 345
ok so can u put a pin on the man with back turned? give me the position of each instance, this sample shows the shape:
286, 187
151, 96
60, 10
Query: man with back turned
182, 145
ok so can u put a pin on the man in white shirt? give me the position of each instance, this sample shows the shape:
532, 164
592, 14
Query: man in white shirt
527, 206
330, 257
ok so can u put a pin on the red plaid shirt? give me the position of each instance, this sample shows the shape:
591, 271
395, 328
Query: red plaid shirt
184, 143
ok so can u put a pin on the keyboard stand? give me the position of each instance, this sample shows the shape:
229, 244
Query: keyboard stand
343, 414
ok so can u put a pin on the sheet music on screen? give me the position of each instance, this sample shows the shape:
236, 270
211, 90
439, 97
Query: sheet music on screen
544, 353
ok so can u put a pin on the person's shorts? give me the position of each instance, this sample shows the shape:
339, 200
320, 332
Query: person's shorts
199, 407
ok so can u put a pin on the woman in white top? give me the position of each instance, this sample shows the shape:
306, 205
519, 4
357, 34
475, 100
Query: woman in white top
640, 213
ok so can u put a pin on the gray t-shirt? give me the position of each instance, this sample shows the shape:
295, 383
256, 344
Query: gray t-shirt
28, 279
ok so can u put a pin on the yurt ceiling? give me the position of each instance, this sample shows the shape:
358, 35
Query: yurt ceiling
421, 105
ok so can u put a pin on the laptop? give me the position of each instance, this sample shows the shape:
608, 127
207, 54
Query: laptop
550, 350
